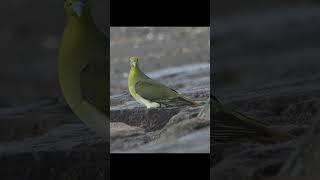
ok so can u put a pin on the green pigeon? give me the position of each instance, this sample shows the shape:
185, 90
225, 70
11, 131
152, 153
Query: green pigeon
231, 126
83, 66
152, 93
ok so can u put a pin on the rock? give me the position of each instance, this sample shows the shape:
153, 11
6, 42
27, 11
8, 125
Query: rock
45, 140
184, 132
66, 152
252, 161
305, 161
205, 112
121, 130
148, 119
195, 142
34, 119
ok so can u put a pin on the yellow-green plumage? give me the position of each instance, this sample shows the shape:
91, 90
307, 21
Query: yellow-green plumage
83, 66
152, 93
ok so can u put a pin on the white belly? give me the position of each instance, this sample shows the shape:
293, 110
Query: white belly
146, 102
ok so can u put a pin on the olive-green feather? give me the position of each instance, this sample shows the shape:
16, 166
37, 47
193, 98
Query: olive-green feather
141, 85
83, 65
93, 84
157, 92
153, 90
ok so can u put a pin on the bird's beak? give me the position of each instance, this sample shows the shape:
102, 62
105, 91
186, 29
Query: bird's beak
78, 7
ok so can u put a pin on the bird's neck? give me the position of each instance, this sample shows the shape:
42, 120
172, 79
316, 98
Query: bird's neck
135, 72
79, 23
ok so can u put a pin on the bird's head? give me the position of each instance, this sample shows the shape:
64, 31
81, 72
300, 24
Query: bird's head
133, 61
77, 8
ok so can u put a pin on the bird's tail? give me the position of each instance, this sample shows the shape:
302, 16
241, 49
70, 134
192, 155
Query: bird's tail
179, 101
190, 102
230, 125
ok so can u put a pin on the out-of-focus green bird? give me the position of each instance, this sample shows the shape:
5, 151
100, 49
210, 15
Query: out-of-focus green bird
231, 126
152, 93
83, 66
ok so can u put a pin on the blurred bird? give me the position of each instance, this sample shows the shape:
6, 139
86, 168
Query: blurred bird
231, 126
83, 66
151, 93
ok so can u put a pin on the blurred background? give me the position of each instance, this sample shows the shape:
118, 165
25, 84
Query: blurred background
36, 136
265, 58
258, 42
158, 47
30, 32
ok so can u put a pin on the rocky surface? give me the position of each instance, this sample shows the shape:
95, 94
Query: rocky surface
266, 66
34, 145
305, 159
171, 129
177, 57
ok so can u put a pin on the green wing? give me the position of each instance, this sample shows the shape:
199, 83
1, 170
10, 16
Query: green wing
157, 92
94, 76
93, 82
153, 90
